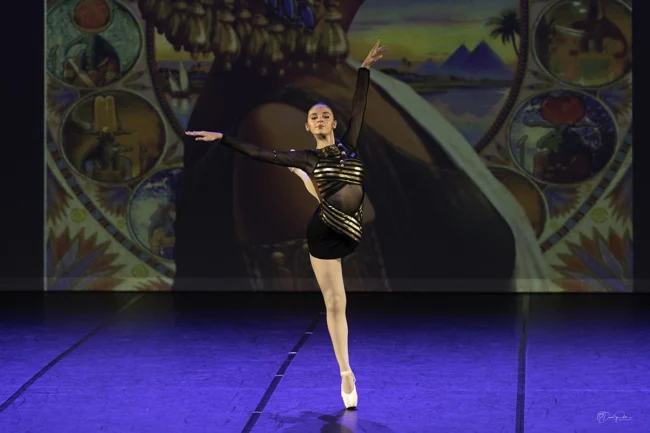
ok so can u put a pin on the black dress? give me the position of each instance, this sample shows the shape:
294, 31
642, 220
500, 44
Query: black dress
335, 229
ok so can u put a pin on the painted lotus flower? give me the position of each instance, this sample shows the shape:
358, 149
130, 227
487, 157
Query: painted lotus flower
113, 200
598, 264
561, 201
79, 263
57, 198
621, 198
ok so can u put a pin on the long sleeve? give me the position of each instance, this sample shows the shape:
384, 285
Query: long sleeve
358, 109
301, 159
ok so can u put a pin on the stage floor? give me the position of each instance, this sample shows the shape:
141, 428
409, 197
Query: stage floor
222, 363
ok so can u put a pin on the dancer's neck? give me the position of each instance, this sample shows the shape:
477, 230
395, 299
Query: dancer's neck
324, 140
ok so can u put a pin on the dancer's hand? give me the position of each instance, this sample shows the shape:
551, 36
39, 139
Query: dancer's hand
374, 55
205, 135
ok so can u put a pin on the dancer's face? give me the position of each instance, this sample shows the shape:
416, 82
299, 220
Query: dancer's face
320, 120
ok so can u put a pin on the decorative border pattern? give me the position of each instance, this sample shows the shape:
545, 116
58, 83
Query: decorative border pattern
608, 177
96, 213
518, 80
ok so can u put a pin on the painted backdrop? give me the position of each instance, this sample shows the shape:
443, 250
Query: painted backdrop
541, 90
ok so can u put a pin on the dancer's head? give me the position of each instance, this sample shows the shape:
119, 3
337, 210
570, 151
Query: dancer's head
320, 121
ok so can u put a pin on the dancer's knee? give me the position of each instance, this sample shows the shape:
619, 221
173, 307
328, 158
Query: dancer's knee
335, 303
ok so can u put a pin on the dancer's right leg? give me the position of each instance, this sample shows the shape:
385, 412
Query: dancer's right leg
329, 275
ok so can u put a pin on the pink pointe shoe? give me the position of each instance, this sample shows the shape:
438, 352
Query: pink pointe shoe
351, 399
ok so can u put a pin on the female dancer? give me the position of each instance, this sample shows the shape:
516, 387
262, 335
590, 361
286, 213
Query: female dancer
335, 228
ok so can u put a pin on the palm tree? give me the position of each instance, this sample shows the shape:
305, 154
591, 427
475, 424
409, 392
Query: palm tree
506, 26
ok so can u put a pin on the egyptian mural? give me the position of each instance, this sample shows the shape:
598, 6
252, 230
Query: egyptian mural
541, 90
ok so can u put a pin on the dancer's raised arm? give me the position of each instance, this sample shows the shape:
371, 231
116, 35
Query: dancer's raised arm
351, 135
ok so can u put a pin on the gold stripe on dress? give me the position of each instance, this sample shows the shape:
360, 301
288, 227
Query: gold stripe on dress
331, 176
338, 172
332, 186
341, 222
345, 229
345, 220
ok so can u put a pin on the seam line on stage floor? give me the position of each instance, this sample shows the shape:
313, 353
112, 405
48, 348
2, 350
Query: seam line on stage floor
279, 375
520, 405
67, 352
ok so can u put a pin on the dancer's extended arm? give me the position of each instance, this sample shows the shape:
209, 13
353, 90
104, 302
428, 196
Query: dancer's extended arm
302, 159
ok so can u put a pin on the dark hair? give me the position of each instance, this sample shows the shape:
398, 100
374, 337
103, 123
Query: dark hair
321, 104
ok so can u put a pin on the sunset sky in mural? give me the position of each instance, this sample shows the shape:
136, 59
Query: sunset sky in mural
422, 29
